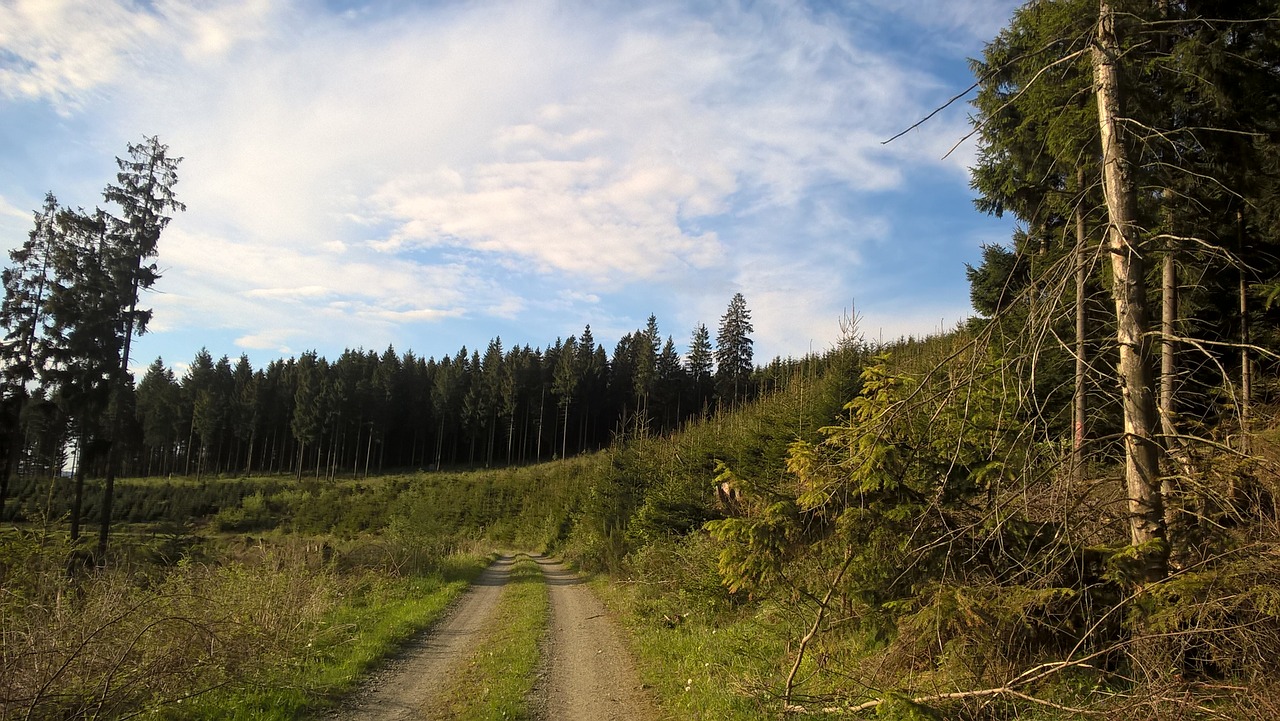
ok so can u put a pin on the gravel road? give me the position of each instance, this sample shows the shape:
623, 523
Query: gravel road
405, 687
590, 676
586, 670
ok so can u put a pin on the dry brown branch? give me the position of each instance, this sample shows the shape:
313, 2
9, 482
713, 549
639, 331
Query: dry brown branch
938, 697
817, 624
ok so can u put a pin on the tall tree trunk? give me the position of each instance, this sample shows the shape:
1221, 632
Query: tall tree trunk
77, 491
1078, 402
1168, 346
1174, 445
1246, 372
511, 435
542, 403
117, 422
191, 439
564, 438
439, 444
13, 446
1235, 491
1134, 372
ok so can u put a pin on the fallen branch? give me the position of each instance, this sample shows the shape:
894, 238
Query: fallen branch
934, 698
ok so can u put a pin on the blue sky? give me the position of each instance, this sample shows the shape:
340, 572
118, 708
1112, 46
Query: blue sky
432, 175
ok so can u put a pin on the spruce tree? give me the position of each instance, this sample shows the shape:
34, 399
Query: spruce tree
700, 367
84, 339
734, 351
22, 315
144, 191
159, 409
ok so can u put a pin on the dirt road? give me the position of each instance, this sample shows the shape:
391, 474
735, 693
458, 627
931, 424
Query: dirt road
406, 686
590, 676
587, 674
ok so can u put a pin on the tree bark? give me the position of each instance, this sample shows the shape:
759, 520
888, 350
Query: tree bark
1079, 404
1175, 447
1168, 347
1134, 372
1246, 372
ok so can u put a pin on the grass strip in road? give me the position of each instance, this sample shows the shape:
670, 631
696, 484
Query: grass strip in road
495, 682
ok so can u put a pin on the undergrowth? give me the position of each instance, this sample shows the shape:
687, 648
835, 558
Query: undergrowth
255, 630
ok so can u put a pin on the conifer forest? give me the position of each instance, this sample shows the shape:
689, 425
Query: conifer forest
1066, 506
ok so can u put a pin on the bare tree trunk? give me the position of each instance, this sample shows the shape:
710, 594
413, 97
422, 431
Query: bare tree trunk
1168, 347
1134, 372
1174, 445
191, 439
1246, 372
77, 491
439, 444
511, 436
1234, 484
1079, 405
542, 403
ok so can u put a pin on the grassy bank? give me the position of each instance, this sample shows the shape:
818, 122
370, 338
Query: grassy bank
261, 630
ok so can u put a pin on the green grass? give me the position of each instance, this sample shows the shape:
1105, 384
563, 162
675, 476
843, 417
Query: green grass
374, 619
496, 681
701, 666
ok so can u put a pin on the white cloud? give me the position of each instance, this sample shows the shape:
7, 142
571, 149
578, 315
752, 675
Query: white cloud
10, 210
412, 316
274, 341
290, 294
65, 50
353, 172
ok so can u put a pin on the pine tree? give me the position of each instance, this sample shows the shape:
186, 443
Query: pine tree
244, 408
22, 315
593, 369
144, 192
734, 351
670, 385
1172, 107
308, 412
159, 401
84, 340
567, 380
700, 363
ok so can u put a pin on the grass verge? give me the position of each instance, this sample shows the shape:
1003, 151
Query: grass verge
700, 666
496, 681
376, 616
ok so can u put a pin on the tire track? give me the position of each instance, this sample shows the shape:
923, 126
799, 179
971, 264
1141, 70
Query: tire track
407, 686
589, 672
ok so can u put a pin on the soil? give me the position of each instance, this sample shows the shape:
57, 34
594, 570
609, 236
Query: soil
405, 687
586, 673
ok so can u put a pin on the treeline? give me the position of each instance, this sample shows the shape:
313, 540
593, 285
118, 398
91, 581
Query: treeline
71, 309
365, 411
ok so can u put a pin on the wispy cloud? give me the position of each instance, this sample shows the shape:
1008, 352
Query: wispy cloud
452, 162
7, 209
63, 51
